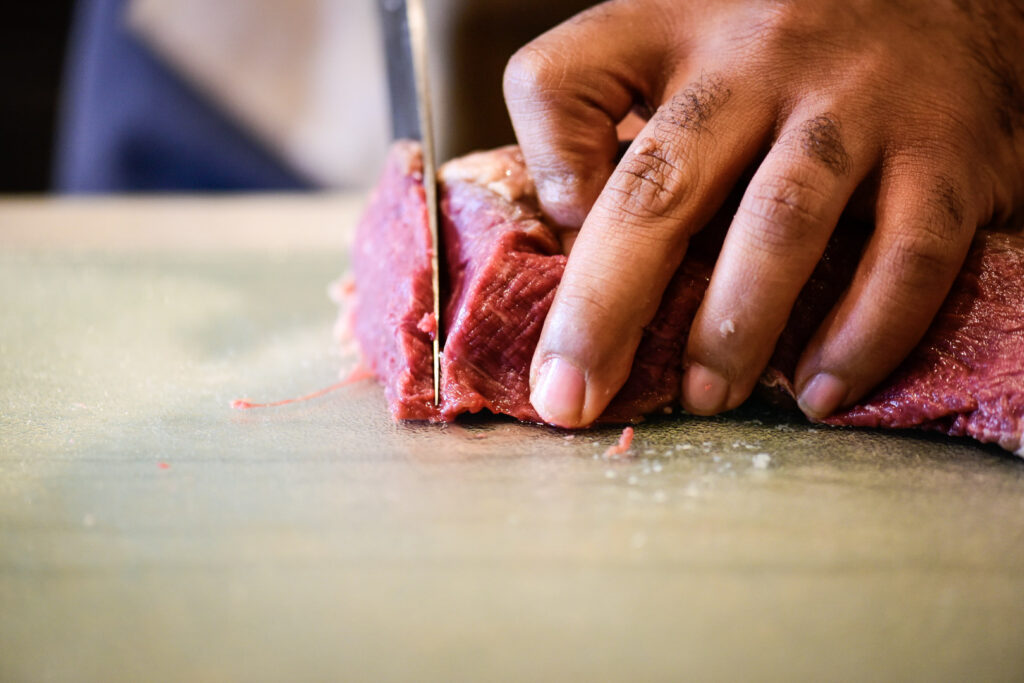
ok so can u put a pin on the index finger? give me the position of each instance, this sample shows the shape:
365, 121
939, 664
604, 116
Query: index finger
674, 177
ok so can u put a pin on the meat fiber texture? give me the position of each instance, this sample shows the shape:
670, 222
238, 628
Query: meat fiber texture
965, 378
391, 265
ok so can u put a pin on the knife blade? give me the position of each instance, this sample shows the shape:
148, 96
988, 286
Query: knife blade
405, 41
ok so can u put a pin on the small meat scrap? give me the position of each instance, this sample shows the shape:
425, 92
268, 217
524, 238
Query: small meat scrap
622, 447
965, 378
391, 262
428, 325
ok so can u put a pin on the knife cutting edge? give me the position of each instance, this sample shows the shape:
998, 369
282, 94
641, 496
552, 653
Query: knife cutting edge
405, 41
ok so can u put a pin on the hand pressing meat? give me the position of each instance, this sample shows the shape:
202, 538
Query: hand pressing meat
908, 114
964, 378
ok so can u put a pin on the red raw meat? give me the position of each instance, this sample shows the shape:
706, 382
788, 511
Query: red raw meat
391, 263
965, 378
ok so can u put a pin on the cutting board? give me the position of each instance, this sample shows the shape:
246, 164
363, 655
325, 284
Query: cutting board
150, 532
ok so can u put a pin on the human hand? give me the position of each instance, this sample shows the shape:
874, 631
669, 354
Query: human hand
916, 106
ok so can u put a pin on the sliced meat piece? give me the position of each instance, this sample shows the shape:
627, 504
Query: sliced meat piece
391, 263
504, 267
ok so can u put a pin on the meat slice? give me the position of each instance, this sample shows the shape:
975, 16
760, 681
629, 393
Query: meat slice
391, 264
965, 378
503, 267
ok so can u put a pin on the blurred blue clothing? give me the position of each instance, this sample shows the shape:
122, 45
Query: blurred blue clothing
129, 124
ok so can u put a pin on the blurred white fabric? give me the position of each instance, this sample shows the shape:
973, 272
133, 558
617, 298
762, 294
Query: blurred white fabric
306, 77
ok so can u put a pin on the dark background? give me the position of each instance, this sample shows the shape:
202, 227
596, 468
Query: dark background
33, 36
486, 33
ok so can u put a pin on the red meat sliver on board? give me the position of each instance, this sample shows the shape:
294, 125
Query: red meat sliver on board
623, 444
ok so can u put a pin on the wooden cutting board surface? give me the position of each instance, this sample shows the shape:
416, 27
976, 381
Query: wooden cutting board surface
150, 532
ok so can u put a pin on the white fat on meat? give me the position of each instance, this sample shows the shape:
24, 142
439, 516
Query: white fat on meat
508, 180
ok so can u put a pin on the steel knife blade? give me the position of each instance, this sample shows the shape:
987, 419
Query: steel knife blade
404, 23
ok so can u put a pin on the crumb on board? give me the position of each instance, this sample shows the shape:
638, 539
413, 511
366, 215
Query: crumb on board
341, 289
620, 448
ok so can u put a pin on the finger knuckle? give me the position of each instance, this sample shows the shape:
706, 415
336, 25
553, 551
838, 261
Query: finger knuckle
820, 138
653, 180
923, 260
786, 212
946, 200
691, 108
529, 73
928, 252
648, 184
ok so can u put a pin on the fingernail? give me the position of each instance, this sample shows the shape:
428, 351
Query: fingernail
822, 395
704, 390
559, 394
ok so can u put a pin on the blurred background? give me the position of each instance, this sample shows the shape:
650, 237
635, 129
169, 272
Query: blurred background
110, 96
